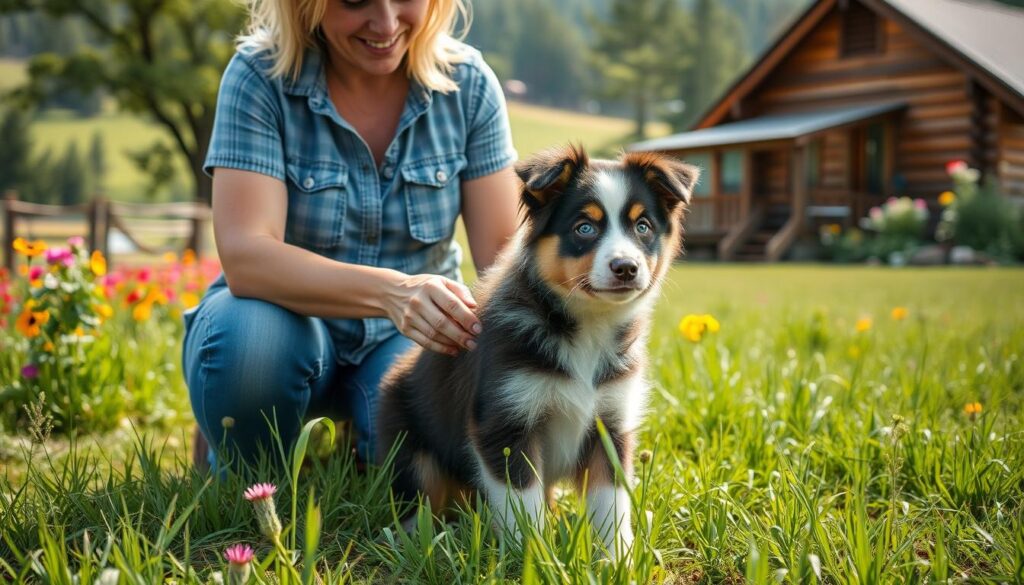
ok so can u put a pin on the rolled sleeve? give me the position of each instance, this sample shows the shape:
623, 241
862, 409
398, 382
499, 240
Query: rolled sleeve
489, 145
247, 125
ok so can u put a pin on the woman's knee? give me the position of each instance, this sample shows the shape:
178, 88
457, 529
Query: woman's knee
249, 361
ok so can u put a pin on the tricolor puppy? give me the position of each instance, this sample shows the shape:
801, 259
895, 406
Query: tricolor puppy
564, 312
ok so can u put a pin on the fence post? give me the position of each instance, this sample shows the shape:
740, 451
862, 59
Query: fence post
99, 225
8, 235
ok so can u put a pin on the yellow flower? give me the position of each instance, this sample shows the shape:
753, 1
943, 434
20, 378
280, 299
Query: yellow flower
104, 310
188, 257
189, 299
79, 331
899, 313
947, 198
48, 346
27, 248
142, 311
170, 257
863, 324
972, 409
30, 322
835, 229
693, 327
98, 263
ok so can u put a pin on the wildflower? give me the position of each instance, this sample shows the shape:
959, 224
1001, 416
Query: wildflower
30, 322
170, 257
189, 299
98, 263
239, 557
48, 346
947, 198
104, 310
142, 311
188, 258
863, 324
854, 351
30, 371
227, 422
76, 241
645, 456
262, 497
955, 167
693, 327
972, 409
27, 248
899, 313
59, 256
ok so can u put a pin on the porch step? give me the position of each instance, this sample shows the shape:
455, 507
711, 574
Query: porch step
745, 257
761, 237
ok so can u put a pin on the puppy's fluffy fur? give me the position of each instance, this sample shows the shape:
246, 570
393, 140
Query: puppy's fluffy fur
564, 313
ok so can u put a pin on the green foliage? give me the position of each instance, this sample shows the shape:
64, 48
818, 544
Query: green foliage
773, 456
162, 60
14, 149
636, 65
990, 223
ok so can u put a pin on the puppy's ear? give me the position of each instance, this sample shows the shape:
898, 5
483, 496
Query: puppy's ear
547, 174
672, 179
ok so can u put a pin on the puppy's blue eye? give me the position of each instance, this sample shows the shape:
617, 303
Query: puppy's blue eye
585, 229
643, 227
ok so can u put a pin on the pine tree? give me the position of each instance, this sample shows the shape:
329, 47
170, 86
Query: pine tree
14, 150
98, 163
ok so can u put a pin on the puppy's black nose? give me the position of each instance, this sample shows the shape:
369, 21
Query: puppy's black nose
624, 268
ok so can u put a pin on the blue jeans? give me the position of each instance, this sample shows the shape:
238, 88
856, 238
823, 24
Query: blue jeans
254, 361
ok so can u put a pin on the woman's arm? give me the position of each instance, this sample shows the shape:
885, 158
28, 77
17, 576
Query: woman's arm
249, 214
490, 211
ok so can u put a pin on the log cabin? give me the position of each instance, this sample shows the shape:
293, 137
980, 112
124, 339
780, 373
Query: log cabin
857, 101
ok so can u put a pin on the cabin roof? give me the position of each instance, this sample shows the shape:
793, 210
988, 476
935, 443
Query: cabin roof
768, 128
988, 33
979, 34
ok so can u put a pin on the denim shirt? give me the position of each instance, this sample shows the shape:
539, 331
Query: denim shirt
400, 214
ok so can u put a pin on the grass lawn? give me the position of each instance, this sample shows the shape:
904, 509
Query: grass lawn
814, 438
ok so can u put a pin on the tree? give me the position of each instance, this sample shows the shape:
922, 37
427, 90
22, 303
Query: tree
636, 63
14, 150
161, 58
719, 54
71, 177
98, 162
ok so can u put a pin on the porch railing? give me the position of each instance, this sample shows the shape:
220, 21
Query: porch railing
712, 214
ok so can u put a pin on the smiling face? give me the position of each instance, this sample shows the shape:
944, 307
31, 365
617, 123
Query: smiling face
371, 37
605, 231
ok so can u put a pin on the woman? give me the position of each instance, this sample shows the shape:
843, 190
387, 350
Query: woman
349, 136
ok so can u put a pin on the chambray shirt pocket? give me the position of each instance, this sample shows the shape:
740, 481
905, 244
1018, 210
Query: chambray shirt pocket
433, 196
317, 198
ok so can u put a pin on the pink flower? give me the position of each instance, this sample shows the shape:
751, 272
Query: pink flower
240, 554
55, 255
262, 497
76, 241
955, 167
36, 272
260, 491
30, 371
238, 557
920, 204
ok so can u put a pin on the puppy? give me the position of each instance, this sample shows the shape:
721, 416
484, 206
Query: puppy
565, 313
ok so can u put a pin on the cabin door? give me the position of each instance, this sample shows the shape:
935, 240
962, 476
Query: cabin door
867, 166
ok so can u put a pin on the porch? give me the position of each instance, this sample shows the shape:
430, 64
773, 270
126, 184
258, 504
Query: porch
768, 180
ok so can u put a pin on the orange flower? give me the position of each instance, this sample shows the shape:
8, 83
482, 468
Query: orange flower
98, 263
947, 198
899, 313
30, 322
27, 248
188, 258
972, 409
142, 311
863, 324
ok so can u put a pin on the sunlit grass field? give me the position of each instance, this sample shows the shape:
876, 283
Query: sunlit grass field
819, 436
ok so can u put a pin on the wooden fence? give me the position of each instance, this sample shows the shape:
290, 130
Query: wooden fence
139, 222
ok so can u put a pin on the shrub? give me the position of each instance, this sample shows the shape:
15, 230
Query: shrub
978, 216
899, 224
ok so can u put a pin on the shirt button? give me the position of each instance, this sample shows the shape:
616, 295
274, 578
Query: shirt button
389, 172
308, 183
441, 176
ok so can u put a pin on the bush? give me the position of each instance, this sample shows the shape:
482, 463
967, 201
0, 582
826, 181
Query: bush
978, 216
899, 224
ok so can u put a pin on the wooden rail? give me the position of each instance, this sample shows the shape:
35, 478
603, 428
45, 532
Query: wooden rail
182, 219
739, 233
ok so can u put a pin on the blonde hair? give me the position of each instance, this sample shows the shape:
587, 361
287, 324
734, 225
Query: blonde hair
286, 28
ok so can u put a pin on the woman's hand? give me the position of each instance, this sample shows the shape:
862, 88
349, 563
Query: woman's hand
434, 311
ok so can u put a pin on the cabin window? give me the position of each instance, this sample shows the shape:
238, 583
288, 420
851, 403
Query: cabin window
732, 171
861, 31
814, 163
874, 158
702, 160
